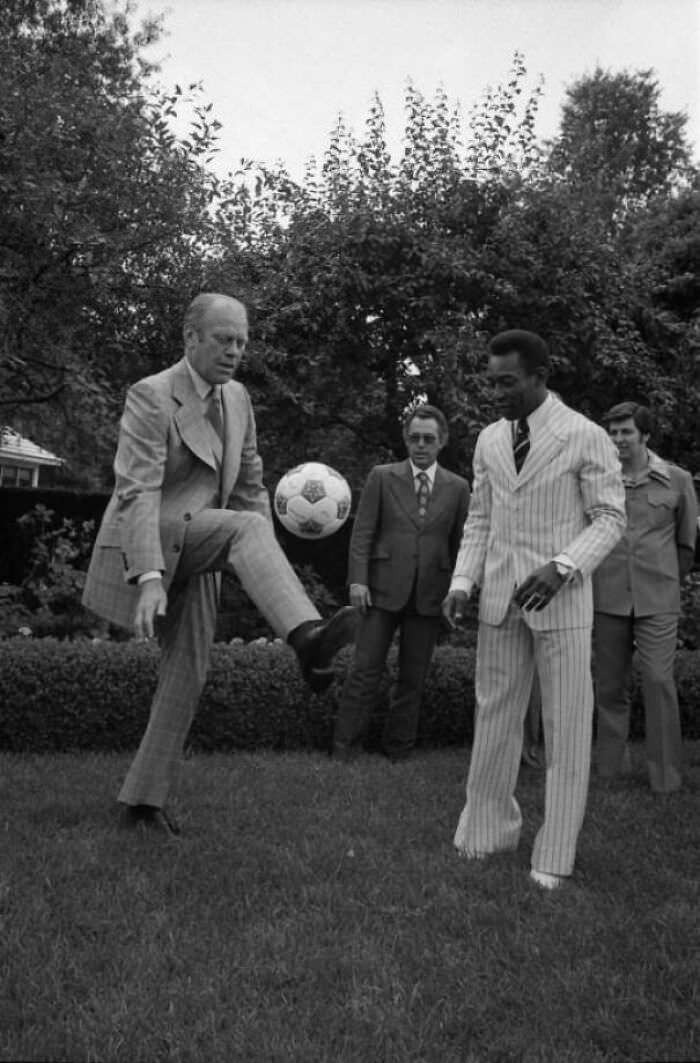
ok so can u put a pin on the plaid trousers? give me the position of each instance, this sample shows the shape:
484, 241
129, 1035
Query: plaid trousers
216, 540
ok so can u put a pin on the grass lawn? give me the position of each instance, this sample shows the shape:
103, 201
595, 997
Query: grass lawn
316, 911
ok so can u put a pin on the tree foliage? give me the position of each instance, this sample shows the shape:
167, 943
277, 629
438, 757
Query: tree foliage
372, 283
102, 211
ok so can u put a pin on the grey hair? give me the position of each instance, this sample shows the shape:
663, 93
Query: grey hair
196, 311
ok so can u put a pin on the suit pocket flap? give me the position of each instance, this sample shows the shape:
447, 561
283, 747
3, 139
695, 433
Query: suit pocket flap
110, 534
380, 555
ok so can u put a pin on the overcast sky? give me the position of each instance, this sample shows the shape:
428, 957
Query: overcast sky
278, 72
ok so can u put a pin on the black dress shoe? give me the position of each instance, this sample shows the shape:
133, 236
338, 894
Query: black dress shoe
148, 817
317, 643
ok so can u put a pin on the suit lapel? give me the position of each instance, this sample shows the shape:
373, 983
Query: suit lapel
194, 429
550, 440
439, 496
503, 450
233, 444
404, 490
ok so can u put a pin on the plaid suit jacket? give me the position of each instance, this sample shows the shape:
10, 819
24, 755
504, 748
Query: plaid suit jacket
567, 498
170, 464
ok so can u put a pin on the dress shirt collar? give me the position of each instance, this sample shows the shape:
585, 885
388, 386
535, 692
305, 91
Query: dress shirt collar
656, 469
202, 386
430, 472
537, 418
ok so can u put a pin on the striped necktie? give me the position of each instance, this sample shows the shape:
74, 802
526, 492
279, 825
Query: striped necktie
422, 492
521, 443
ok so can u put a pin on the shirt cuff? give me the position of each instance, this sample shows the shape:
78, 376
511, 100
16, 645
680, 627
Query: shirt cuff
462, 583
146, 576
565, 561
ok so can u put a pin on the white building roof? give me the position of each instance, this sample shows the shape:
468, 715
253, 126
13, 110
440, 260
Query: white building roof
14, 447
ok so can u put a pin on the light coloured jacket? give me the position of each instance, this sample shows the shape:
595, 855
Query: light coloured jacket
568, 498
641, 572
170, 464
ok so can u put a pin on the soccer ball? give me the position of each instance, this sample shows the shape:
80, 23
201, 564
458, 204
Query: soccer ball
312, 500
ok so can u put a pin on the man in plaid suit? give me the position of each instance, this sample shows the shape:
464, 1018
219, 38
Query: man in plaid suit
189, 503
547, 506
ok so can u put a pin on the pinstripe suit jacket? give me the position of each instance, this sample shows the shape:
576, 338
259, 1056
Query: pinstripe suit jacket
170, 464
568, 498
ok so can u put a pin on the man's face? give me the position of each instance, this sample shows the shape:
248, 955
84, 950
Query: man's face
216, 348
516, 392
630, 442
423, 441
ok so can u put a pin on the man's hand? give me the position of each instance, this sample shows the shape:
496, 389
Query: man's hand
539, 588
454, 607
360, 597
152, 602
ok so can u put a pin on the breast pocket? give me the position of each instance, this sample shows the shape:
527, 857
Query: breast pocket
662, 506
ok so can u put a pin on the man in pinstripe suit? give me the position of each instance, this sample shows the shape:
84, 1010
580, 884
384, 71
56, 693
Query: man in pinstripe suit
547, 506
189, 503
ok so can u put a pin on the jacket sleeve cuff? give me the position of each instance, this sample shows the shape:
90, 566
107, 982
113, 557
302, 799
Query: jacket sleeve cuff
565, 562
462, 583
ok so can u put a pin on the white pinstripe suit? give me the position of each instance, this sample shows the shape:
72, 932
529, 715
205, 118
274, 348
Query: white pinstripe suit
568, 498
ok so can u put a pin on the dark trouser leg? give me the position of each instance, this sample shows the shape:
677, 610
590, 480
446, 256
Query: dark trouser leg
656, 646
359, 693
185, 639
418, 635
613, 647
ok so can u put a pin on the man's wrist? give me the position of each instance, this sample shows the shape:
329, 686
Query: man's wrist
463, 584
565, 567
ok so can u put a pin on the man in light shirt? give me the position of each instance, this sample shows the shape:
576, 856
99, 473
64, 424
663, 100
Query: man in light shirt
637, 602
189, 503
404, 543
547, 506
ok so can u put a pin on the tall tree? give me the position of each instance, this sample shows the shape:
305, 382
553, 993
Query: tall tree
617, 143
104, 213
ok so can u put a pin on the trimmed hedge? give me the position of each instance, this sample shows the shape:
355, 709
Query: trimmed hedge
59, 696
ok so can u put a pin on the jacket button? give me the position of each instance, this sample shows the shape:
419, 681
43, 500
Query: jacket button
176, 548
187, 516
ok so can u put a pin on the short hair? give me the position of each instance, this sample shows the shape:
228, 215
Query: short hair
531, 349
196, 311
641, 415
425, 411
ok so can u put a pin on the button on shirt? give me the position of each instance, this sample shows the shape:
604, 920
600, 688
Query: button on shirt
640, 574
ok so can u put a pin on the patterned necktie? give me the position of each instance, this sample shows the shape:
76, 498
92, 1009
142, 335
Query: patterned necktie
521, 443
422, 492
214, 413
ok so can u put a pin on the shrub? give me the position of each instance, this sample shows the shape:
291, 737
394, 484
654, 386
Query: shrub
83, 695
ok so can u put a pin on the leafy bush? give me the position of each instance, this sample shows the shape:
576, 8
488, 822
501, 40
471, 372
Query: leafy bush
239, 618
83, 695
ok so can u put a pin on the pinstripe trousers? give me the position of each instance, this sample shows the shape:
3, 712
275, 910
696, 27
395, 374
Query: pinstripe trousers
216, 540
506, 659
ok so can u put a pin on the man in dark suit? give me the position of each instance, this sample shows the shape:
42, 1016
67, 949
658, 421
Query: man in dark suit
404, 544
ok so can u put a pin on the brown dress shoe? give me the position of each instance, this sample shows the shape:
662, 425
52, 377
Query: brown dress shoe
317, 643
148, 817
